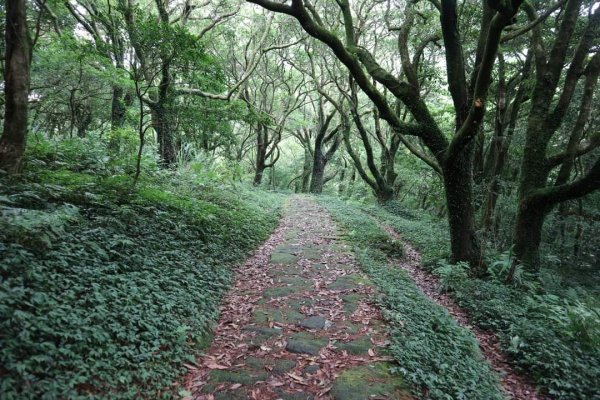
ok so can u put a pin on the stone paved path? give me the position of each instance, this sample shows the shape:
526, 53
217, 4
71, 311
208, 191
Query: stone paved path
299, 322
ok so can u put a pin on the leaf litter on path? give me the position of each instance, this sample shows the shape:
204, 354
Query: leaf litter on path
248, 357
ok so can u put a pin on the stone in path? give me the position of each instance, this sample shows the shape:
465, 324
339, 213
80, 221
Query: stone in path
299, 322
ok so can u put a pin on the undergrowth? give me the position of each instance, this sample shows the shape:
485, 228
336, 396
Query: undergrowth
105, 291
429, 237
553, 338
439, 358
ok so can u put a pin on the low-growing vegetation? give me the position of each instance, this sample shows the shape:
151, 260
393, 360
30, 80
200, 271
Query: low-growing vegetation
107, 290
434, 354
549, 331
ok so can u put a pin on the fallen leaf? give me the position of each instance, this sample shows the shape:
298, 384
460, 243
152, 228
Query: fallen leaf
214, 365
297, 378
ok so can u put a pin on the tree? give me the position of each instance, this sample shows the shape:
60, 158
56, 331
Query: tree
537, 196
16, 86
273, 95
105, 25
322, 154
323, 138
469, 98
509, 98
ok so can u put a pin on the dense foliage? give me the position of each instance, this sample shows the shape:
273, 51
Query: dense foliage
106, 289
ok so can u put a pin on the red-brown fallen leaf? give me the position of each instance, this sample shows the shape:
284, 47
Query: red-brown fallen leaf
235, 386
213, 365
297, 378
325, 391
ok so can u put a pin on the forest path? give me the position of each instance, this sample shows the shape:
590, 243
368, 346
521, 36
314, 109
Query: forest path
299, 322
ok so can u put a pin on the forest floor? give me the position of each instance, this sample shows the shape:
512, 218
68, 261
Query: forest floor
515, 385
301, 322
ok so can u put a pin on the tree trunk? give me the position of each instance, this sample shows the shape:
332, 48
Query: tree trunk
16, 87
489, 217
503, 133
117, 113
458, 185
383, 195
318, 171
258, 175
534, 175
478, 158
117, 116
163, 116
162, 126
306, 171
528, 233
341, 185
261, 155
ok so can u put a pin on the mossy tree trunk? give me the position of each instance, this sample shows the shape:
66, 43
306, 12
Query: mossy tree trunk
537, 196
267, 147
458, 185
17, 61
321, 154
306, 169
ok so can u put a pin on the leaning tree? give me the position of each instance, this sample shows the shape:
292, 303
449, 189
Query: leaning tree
452, 151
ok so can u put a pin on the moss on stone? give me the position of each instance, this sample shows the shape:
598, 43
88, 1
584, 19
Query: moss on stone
358, 346
311, 253
285, 271
350, 281
363, 382
351, 302
282, 366
279, 291
283, 258
304, 342
296, 304
262, 333
281, 315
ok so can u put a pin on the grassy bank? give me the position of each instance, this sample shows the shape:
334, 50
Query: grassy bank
550, 333
106, 291
440, 359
